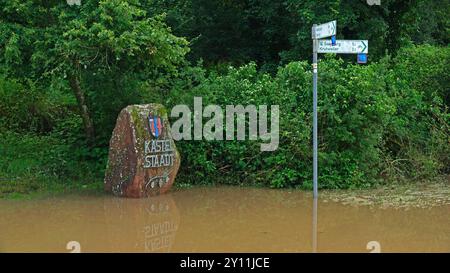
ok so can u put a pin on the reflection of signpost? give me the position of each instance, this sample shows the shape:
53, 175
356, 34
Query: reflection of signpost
314, 226
360, 47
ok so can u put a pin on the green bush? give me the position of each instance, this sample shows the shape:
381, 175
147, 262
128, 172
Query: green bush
379, 122
352, 118
417, 136
376, 123
23, 108
42, 139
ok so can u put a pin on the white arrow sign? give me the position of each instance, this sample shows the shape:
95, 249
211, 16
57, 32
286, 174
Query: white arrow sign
344, 46
325, 30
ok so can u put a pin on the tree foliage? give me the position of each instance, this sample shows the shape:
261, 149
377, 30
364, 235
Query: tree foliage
381, 122
98, 45
269, 32
66, 72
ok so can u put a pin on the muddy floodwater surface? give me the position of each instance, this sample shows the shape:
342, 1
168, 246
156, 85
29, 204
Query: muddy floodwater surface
218, 219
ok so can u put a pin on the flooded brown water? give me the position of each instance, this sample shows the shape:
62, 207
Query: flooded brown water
223, 219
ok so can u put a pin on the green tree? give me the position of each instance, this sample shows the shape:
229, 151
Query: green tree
107, 41
273, 31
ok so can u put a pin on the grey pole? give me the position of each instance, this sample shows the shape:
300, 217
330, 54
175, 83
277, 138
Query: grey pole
315, 45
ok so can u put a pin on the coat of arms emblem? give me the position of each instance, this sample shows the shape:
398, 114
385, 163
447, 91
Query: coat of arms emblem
156, 126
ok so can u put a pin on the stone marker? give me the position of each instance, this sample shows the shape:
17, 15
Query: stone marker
143, 159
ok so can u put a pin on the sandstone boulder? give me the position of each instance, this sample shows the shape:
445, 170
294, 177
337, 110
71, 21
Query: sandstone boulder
143, 159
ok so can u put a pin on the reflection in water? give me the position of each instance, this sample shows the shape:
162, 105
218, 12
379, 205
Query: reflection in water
217, 219
146, 225
160, 236
96, 223
314, 225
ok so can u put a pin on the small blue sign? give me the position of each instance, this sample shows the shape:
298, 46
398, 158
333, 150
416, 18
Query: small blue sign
333, 40
362, 58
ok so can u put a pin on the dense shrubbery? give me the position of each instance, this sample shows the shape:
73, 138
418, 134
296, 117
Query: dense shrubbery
66, 72
417, 139
375, 122
42, 140
271, 33
383, 121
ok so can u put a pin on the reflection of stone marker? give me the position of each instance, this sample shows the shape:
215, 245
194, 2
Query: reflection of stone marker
143, 160
149, 225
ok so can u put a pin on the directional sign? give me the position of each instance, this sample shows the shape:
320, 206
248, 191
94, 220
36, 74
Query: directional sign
344, 46
325, 30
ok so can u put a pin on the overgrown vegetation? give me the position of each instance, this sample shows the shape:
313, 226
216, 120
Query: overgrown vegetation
66, 72
274, 32
377, 123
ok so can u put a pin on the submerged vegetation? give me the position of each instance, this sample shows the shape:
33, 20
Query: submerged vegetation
425, 194
67, 71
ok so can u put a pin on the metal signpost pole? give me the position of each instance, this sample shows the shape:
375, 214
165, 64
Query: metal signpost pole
320, 45
315, 45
